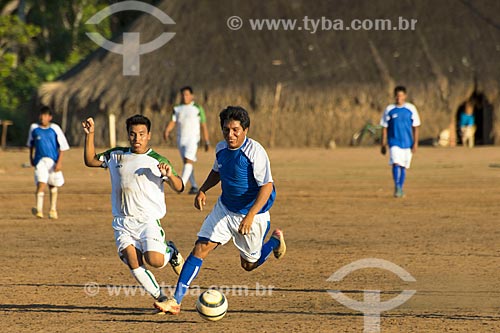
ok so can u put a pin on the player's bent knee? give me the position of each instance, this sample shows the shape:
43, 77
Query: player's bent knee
155, 259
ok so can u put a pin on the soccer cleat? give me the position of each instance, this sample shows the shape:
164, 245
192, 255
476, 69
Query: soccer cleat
158, 312
53, 214
398, 193
168, 306
193, 190
35, 212
176, 261
280, 251
162, 298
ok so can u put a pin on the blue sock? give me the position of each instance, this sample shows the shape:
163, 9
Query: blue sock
402, 177
189, 271
396, 174
266, 250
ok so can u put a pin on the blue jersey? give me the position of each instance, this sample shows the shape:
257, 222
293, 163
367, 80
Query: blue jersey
47, 141
242, 172
399, 121
466, 119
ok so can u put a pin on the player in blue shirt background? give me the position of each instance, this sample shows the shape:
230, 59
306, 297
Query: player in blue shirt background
47, 143
400, 123
241, 212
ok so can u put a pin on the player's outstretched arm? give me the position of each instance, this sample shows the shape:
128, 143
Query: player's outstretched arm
89, 155
212, 180
175, 182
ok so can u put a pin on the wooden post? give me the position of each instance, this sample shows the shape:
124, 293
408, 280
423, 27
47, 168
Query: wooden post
274, 112
112, 130
64, 120
5, 124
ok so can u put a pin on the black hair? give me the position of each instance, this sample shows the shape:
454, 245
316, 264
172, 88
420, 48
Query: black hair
235, 113
138, 119
44, 109
189, 88
398, 89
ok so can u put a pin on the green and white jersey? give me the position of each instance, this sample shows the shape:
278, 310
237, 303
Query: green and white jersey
188, 118
136, 183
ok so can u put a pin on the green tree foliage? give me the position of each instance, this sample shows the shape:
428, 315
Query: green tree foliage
39, 41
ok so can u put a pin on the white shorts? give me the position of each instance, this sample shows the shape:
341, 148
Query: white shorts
44, 173
400, 156
144, 236
188, 149
221, 225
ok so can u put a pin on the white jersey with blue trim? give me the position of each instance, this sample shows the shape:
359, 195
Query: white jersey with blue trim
399, 121
242, 172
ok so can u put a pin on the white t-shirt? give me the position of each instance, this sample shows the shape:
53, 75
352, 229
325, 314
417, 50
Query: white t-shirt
137, 188
188, 118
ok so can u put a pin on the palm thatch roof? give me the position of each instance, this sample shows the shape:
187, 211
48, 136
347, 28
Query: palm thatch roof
332, 81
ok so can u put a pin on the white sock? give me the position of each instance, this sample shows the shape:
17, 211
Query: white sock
192, 180
186, 172
39, 201
167, 256
147, 280
53, 198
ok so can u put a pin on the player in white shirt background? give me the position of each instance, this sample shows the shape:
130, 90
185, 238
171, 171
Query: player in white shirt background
138, 175
400, 122
241, 212
190, 119
47, 144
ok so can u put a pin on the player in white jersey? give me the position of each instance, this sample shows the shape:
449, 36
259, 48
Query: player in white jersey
189, 118
138, 175
242, 211
47, 144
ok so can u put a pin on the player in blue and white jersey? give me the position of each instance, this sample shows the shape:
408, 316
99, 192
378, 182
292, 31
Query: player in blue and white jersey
241, 212
47, 143
400, 123
138, 175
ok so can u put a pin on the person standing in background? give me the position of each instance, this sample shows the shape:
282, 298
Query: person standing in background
47, 143
190, 119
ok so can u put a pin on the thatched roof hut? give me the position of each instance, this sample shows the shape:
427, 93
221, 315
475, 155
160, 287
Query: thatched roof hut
333, 82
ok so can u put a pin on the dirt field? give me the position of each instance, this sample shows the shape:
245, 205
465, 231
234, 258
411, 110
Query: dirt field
335, 206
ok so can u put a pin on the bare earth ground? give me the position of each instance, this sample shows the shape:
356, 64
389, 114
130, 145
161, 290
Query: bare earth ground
335, 206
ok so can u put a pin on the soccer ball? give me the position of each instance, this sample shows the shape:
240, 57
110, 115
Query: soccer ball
211, 305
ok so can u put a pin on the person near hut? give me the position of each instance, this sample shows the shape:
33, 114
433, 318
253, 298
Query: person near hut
138, 176
190, 118
467, 125
241, 213
47, 144
400, 122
